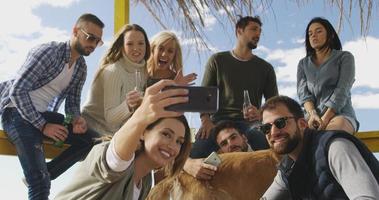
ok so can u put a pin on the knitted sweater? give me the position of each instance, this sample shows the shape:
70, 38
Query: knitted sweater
106, 109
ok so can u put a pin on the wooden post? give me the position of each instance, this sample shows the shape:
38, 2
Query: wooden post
121, 13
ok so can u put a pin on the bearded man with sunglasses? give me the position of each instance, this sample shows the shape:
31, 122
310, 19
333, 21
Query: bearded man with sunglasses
53, 72
316, 164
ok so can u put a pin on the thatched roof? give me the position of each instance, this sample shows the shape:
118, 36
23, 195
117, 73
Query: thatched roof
190, 15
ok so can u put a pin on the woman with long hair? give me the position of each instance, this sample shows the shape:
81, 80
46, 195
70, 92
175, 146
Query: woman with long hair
152, 138
113, 96
166, 60
324, 79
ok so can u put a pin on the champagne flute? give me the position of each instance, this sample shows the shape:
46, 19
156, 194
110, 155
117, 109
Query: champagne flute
139, 83
138, 79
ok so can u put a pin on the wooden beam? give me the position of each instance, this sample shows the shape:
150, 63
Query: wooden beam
121, 13
370, 138
7, 148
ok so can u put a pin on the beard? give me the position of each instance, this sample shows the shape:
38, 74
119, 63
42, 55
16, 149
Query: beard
80, 49
252, 45
289, 145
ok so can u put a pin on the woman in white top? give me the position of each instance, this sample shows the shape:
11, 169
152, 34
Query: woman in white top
112, 97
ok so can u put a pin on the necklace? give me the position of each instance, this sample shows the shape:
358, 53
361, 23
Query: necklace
238, 58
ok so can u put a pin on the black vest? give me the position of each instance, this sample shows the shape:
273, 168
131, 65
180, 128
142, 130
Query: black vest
310, 176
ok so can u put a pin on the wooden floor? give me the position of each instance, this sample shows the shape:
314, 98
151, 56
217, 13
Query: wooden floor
370, 138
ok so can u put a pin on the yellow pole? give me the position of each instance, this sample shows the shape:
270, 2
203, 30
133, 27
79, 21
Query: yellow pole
121, 13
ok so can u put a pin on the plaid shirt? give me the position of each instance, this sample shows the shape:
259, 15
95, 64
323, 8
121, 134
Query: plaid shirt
44, 63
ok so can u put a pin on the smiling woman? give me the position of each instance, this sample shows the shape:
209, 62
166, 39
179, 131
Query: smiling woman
152, 138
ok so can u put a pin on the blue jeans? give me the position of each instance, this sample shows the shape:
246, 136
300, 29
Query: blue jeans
256, 139
28, 142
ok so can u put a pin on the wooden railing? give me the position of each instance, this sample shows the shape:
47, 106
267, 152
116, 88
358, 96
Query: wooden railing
370, 138
7, 148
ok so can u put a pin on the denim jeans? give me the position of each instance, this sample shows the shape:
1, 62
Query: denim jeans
256, 139
28, 142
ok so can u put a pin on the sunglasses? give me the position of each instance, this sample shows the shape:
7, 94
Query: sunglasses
279, 123
92, 38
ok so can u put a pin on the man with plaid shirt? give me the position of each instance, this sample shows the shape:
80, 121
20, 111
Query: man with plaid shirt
52, 72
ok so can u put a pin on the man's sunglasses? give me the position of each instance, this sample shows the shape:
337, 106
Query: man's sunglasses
92, 38
279, 123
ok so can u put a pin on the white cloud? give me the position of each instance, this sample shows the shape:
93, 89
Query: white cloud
366, 60
208, 19
288, 60
366, 101
22, 30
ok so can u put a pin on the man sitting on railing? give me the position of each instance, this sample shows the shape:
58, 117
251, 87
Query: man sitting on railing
52, 72
327, 164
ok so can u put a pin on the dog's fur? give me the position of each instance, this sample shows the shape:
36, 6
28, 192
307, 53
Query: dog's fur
240, 176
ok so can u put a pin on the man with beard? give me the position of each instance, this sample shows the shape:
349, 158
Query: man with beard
316, 164
233, 72
52, 72
229, 139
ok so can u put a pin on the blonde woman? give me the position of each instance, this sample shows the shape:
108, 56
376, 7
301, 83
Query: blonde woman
166, 60
152, 138
112, 97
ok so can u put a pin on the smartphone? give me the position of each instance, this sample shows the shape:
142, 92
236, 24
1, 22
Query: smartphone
213, 159
200, 99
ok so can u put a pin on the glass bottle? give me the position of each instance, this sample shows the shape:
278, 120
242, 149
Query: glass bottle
66, 122
246, 103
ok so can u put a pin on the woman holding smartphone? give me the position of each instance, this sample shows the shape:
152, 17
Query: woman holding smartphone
324, 79
152, 138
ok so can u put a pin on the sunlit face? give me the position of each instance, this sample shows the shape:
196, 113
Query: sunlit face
164, 54
134, 45
250, 35
286, 139
164, 141
317, 35
88, 36
230, 140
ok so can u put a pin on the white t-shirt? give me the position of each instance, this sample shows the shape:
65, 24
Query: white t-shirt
118, 165
42, 97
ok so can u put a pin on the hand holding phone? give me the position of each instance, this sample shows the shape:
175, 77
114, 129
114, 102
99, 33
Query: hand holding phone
213, 159
200, 99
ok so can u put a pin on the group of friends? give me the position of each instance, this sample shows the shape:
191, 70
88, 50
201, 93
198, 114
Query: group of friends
122, 134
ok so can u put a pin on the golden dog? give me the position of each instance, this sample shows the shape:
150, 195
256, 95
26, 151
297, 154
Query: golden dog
240, 176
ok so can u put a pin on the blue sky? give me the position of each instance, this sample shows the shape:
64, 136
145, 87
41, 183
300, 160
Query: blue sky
27, 23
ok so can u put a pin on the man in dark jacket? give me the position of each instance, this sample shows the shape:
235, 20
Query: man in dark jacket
316, 164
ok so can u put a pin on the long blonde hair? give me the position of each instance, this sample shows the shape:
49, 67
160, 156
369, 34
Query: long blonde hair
114, 53
159, 39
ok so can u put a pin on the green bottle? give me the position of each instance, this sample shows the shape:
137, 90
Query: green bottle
67, 121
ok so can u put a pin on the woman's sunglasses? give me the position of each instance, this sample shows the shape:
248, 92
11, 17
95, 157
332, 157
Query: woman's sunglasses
279, 123
92, 38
